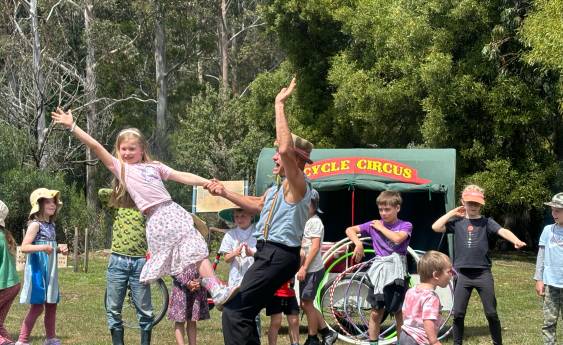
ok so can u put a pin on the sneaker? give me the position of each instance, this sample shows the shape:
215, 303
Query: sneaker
224, 296
331, 338
21, 343
220, 293
312, 341
52, 341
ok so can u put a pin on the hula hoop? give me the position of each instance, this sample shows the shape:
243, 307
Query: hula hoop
349, 305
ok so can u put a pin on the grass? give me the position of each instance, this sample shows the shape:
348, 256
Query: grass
81, 316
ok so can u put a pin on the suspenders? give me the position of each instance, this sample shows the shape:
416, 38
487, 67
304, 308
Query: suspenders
270, 213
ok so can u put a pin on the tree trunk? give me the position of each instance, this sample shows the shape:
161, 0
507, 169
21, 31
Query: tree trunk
234, 67
39, 88
199, 56
223, 46
91, 115
161, 82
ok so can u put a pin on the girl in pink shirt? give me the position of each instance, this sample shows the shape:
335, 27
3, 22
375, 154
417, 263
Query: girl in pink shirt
421, 308
173, 241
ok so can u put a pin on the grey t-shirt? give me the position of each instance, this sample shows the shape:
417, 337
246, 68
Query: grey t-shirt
471, 241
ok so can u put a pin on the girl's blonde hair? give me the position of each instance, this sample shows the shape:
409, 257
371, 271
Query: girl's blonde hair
10, 240
432, 261
473, 188
119, 195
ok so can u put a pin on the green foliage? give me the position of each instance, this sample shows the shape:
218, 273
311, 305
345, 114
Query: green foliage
543, 32
215, 138
12, 147
504, 184
16, 187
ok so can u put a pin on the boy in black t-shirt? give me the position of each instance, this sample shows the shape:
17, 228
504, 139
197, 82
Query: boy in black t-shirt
472, 260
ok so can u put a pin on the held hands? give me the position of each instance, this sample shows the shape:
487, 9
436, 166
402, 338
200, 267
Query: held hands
193, 285
358, 253
540, 288
215, 188
284, 93
65, 119
247, 250
238, 250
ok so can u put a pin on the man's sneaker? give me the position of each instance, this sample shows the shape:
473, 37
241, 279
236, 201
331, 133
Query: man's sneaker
331, 338
52, 341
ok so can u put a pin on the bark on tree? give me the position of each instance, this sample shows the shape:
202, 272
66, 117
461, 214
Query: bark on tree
161, 82
223, 48
234, 67
39, 87
90, 97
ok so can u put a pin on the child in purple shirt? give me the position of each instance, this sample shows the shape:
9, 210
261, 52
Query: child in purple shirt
390, 238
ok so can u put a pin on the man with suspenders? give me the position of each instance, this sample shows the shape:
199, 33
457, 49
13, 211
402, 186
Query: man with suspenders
283, 212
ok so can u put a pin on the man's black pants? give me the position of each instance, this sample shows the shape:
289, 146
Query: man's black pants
274, 265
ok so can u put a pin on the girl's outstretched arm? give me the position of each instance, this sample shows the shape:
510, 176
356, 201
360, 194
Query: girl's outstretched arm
509, 236
65, 119
187, 178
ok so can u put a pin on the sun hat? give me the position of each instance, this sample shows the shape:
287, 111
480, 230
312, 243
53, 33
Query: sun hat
303, 148
556, 201
473, 195
228, 215
43, 193
315, 199
200, 225
3, 213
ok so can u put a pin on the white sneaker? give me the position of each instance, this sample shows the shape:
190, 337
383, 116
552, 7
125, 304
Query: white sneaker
52, 341
224, 295
20, 343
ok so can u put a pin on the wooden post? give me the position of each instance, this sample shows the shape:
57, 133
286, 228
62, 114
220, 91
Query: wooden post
86, 249
75, 245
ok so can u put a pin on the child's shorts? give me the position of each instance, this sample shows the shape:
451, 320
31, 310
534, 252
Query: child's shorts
391, 299
406, 339
286, 305
308, 287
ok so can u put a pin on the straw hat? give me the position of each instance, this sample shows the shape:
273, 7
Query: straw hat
43, 193
200, 225
3, 213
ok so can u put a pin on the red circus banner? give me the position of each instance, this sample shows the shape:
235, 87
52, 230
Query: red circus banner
363, 165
